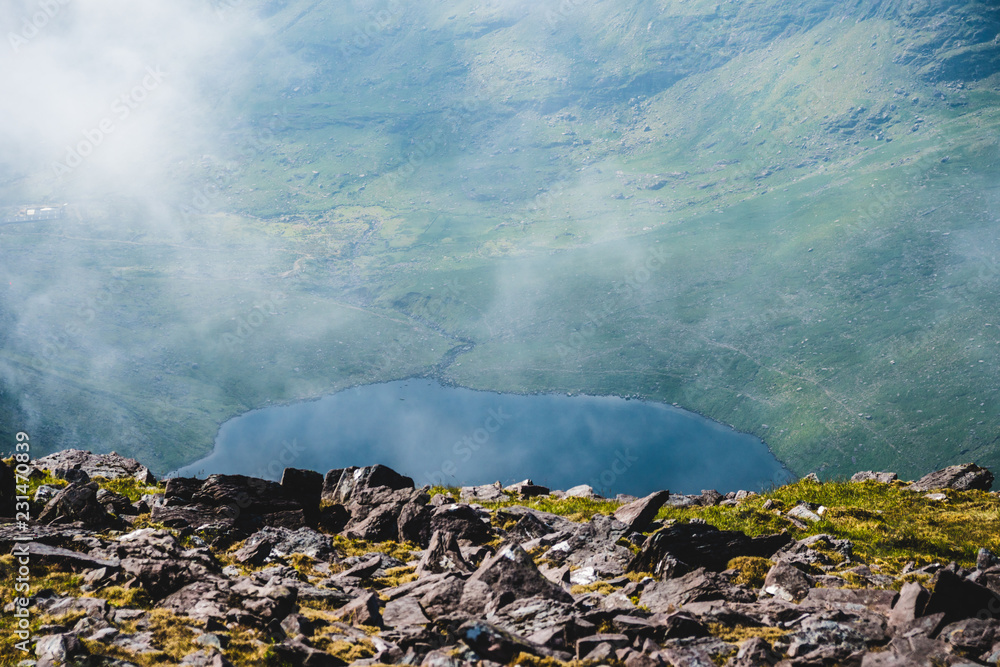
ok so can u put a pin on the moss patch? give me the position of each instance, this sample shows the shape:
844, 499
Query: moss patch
751, 571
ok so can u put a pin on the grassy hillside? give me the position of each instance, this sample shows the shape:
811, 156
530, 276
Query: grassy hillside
779, 215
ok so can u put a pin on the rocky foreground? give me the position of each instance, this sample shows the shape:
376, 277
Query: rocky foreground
359, 567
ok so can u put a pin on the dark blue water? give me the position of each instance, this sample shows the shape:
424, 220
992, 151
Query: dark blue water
454, 436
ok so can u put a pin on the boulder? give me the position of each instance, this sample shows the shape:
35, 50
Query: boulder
586, 646
306, 487
787, 582
684, 546
958, 598
871, 476
246, 503
443, 555
110, 466
72, 560
527, 489
755, 652
910, 605
987, 560
490, 642
463, 521
58, 649
374, 524
159, 564
639, 514
206, 601
485, 493
817, 640
964, 477
404, 612
506, 576
294, 652
284, 542
697, 586
804, 513
581, 491
78, 502
973, 636
364, 610
115, 503
357, 485
270, 604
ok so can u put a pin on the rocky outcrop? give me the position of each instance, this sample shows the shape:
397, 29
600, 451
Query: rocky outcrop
965, 477
485, 586
109, 466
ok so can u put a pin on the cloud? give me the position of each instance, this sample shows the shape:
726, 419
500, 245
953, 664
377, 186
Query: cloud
116, 92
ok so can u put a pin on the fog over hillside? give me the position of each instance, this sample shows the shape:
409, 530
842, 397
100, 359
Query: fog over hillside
779, 215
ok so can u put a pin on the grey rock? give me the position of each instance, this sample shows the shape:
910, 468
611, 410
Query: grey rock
285, 542
755, 652
693, 544
305, 486
357, 485
59, 648
964, 477
485, 493
973, 636
110, 466
581, 491
910, 605
294, 652
851, 599
818, 639
697, 586
209, 657
206, 601
527, 489
698, 652
986, 560
804, 513
365, 610
159, 564
229, 501
404, 612
270, 603
506, 576
463, 521
958, 598
639, 514
871, 476
787, 582
77, 502
490, 642
44, 493
586, 645
443, 555
74, 560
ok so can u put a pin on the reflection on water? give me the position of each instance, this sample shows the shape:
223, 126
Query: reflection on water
454, 436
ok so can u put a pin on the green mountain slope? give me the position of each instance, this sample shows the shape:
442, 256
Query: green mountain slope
780, 215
